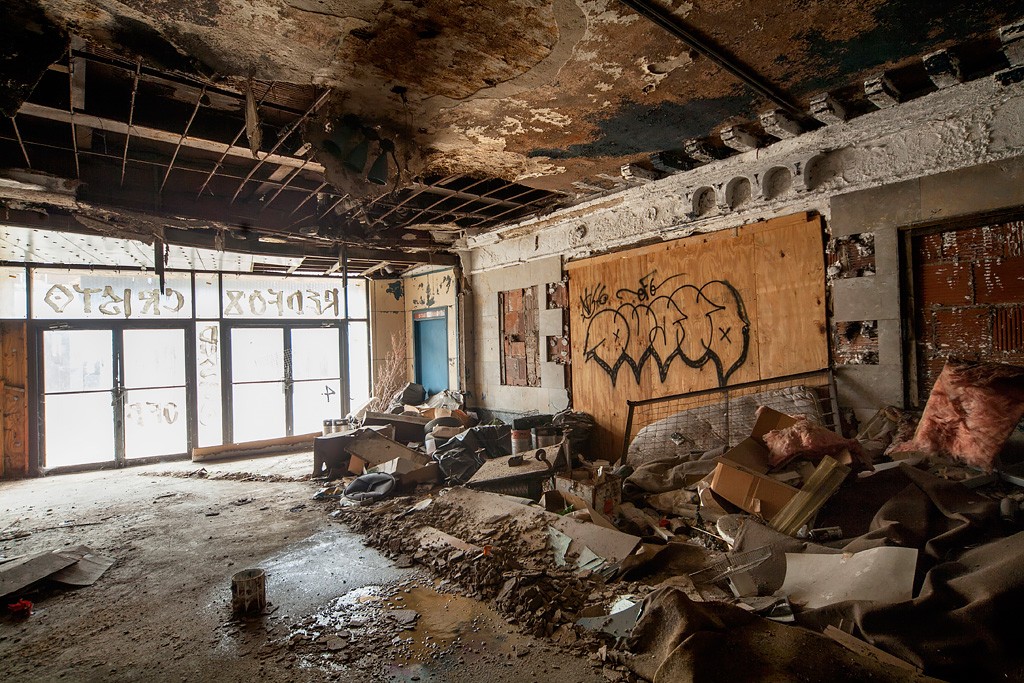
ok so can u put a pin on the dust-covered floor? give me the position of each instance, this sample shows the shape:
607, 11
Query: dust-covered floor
339, 610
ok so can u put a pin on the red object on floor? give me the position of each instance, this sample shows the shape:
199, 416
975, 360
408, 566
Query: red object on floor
22, 608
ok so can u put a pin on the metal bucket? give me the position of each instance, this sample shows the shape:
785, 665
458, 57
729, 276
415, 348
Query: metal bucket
548, 436
249, 591
522, 440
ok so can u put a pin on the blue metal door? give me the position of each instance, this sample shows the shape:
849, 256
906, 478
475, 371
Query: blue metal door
430, 338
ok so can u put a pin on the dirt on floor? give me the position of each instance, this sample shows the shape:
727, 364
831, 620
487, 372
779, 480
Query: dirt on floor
338, 610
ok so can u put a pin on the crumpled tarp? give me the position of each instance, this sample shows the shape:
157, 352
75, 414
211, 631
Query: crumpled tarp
964, 623
461, 456
972, 410
681, 641
669, 474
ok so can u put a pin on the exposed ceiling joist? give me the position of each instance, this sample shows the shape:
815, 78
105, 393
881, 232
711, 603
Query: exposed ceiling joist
157, 135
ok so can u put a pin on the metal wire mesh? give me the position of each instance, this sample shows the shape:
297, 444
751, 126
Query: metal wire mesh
722, 417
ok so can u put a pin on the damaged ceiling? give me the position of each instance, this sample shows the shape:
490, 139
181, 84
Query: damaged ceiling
307, 124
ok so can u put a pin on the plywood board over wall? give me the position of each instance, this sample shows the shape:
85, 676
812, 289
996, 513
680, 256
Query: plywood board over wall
14, 460
697, 313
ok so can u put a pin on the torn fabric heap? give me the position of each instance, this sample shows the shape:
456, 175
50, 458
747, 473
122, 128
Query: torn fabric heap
681, 641
969, 583
971, 412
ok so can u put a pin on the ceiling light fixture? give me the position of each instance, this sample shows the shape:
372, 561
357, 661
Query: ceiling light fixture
380, 170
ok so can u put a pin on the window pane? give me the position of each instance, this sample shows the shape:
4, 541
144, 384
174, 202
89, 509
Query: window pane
155, 422
274, 298
12, 293
207, 295
79, 429
77, 360
356, 298
258, 411
358, 363
208, 384
313, 402
315, 353
109, 295
257, 355
154, 358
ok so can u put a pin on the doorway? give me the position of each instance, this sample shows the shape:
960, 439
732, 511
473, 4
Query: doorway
430, 340
113, 394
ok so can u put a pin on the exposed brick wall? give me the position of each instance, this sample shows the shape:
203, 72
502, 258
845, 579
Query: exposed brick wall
855, 343
851, 256
520, 348
969, 291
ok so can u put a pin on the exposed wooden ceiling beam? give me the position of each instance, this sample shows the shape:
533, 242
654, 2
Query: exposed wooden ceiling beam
157, 135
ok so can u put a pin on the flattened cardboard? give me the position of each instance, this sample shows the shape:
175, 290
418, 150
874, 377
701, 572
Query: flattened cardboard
356, 465
24, 572
408, 472
87, 569
376, 449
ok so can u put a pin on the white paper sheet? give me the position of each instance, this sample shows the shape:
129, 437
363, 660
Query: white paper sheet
880, 574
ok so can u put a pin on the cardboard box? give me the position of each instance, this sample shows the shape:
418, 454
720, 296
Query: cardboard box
741, 473
603, 491
356, 465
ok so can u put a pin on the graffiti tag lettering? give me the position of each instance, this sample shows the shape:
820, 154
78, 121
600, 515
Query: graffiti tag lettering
664, 321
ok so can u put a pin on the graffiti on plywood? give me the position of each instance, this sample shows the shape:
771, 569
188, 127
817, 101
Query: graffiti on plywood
662, 321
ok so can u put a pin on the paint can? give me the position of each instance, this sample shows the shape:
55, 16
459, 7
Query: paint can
249, 591
339, 425
328, 427
548, 436
522, 440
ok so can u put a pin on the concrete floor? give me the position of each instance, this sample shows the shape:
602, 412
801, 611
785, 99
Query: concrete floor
162, 612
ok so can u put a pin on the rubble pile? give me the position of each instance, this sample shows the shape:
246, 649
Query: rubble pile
505, 562
794, 537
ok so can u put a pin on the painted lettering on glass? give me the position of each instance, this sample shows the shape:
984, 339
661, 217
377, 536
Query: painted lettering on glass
110, 303
275, 302
660, 321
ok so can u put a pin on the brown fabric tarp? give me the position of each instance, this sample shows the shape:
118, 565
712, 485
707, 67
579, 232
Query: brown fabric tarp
964, 623
681, 641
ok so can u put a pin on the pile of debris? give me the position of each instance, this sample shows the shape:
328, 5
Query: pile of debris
890, 556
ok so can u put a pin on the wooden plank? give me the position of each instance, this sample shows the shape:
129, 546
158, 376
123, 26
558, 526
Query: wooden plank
249, 449
707, 238
793, 335
13, 400
695, 314
15, 431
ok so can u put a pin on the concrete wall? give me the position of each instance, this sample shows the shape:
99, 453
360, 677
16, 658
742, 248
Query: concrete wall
392, 303
954, 152
387, 322
883, 211
483, 341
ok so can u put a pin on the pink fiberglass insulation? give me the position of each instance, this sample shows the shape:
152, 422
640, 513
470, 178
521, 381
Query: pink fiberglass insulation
970, 413
805, 440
